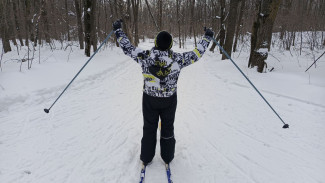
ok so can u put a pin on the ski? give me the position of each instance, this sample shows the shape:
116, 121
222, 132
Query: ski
169, 174
143, 173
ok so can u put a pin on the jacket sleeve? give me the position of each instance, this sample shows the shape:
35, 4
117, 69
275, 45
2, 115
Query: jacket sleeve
188, 58
127, 47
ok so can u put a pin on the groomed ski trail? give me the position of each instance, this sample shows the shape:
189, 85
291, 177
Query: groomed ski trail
81, 136
93, 133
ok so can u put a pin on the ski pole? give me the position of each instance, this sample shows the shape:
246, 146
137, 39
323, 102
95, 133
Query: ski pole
109, 35
285, 125
315, 62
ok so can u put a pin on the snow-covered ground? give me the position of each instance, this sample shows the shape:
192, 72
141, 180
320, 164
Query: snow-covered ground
224, 130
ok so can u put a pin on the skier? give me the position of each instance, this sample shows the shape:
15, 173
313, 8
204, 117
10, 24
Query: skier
160, 68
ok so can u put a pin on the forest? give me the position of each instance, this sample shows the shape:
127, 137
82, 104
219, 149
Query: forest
34, 23
249, 97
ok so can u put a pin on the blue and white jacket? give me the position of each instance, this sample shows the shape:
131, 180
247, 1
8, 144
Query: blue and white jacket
161, 69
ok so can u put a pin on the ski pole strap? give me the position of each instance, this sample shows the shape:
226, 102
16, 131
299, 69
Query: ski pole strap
109, 35
285, 125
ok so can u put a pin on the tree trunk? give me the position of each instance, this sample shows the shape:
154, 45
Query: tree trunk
127, 20
151, 15
11, 22
14, 5
28, 19
222, 32
204, 12
178, 22
191, 16
222, 23
38, 19
100, 35
45, 22
87, 12
239, 23
184, 27
67, 18
192, 23
160, 7
37, 15
79, 24
93, 32
231, 25
113, 8
266, 14
26, 22
135, 8
4, 27
53, 13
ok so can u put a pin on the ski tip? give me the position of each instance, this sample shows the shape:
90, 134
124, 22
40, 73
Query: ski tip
159, 125
168, 173
143, 173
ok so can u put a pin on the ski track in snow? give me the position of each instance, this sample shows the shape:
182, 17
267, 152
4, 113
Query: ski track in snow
279, 95
269, 92
93, 133
106, 137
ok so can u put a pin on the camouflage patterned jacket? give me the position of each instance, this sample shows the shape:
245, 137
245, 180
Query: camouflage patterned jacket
161, 69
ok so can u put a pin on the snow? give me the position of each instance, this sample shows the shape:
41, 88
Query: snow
71, 13
263, 51
224, 130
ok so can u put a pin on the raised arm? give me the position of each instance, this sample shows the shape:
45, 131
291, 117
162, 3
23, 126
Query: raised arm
125, 43
188, 58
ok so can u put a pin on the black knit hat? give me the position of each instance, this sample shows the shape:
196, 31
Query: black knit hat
164, 41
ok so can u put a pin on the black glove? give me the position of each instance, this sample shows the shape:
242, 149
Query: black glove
208, 32
117, 24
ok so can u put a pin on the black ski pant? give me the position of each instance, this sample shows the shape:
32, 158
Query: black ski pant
153, 108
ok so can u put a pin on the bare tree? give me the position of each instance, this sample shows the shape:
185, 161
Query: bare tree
93, 32
178, 3
135, 8
67, 18
17, 22
37, 20
231, 25
160, 14
79, 24
239, 23
151, 15
4, 27
45, 21
222, 32
87, 22
192, 23
265, 17
127, 22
